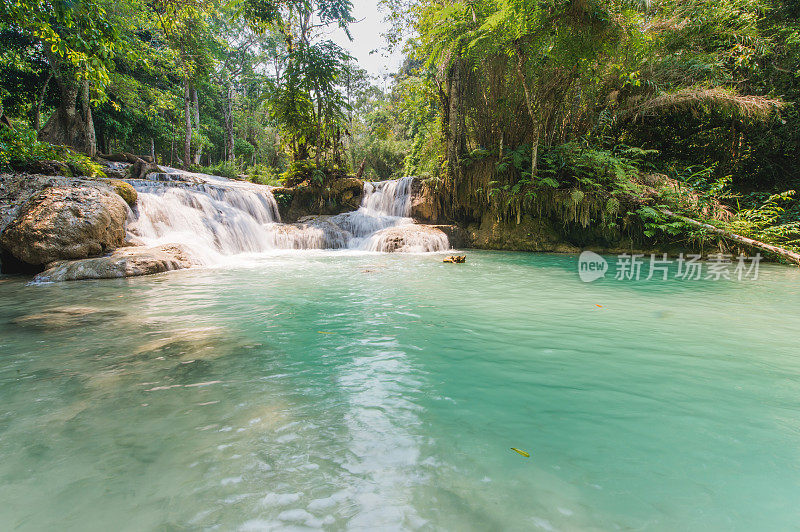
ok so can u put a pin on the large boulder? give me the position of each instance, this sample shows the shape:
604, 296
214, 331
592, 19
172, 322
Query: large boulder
124, 262
66, 222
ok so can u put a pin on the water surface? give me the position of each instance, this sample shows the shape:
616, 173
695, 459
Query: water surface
357, 391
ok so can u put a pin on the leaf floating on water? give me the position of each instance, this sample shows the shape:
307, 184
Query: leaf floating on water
599, 306
523, 453
324, 332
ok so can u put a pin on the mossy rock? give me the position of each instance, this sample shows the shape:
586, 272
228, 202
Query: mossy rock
125, 190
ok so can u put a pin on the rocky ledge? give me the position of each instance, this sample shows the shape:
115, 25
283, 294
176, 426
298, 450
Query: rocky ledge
124, 262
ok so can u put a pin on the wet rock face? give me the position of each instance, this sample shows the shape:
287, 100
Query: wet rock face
63, 222
531, 234
124, 262
423, 205
335, 197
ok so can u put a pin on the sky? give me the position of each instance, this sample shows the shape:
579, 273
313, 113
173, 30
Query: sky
367, 37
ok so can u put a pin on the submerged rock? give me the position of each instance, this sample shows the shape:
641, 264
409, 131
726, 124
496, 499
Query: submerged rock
63, 222
67, 317
412, 238
124, 262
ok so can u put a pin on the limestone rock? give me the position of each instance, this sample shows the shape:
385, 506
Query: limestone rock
125, 191
338, 195
63, 222
423, 205
124, 262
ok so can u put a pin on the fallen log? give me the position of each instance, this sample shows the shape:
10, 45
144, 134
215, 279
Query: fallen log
785, 253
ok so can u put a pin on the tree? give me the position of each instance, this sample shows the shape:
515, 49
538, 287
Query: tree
78, 40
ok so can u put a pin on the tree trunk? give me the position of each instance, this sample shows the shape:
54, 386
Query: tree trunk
785, 253
227, 114
198, 150
153, 149
88, 122
37, 117
65, 126
530, 104
187, 122
319, 131
455, 130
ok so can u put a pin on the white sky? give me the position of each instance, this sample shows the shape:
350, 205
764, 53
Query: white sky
367, 38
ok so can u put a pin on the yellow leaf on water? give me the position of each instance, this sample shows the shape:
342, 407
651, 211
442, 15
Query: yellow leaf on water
523, 453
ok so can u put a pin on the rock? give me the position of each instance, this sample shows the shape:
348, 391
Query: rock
65, 222
458, 236
125, 191
124, 262
342, 194
411, 238
66, 317
531, 234
423, 205
54, 168
141, 168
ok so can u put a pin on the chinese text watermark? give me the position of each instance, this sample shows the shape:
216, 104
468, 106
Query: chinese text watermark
690, 267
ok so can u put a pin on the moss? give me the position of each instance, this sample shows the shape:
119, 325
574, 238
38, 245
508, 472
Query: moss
125, 190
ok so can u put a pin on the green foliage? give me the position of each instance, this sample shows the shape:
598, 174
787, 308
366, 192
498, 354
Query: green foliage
299, 171
223, 168
264, 175
19, 148
658, 224
384, 158
767, 222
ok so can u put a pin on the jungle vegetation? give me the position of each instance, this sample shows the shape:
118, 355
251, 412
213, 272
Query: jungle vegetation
607, 113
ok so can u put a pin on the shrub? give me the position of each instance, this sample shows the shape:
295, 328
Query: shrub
19, 148
263, 175
223, 168
299, 171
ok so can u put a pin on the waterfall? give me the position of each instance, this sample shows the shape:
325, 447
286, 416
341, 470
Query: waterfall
209, 219
388, 198
214, 217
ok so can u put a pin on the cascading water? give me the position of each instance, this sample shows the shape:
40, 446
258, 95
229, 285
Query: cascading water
211, 219
214, 217
382, 222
